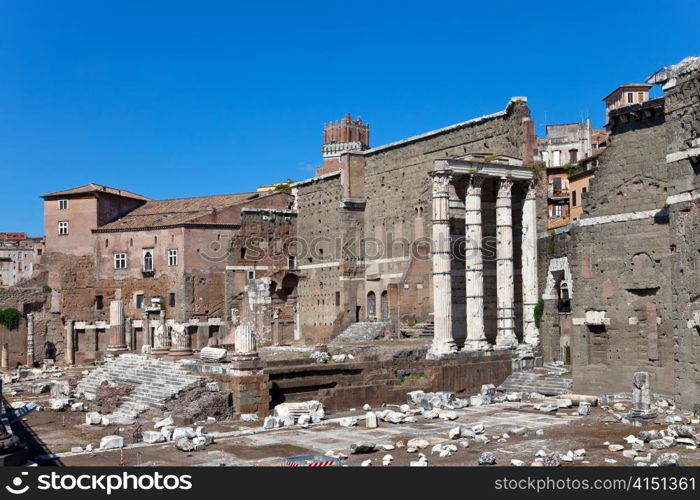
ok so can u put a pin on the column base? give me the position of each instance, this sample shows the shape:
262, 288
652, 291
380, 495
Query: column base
477, 345
506, 341
117, 348
441, 348
182, 351
532, 335
161, 351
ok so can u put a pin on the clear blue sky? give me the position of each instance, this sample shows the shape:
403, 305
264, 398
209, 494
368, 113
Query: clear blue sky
174, 98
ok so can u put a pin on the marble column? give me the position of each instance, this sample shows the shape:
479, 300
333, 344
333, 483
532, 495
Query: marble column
474, 266
531, 334
181, 344
505, 324
161, 336
129, 333
117, 332
245, 343
443, 343
4, 358
30, 339
146, 332
70, 342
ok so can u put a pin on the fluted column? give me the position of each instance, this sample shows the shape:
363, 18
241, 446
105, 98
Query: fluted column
531, 334
70, 342
245, 343
117, 332
30, 339
505, 326
443, 343
474, 267
4, 358
181, 344
161, 337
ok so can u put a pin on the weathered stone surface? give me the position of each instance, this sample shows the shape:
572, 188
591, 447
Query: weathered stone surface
668, 460
363, 447
110, 442
347, 422
551, 460
487, 458
168, 421
153, 437
93, 418
371, 420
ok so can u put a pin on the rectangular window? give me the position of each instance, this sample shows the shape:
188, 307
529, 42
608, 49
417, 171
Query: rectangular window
556, 211
251, 274
337, 298
98, 302
573, 198
630, 97
292, 261
139, 301
119, 261
556, 159
573, 156
171, 299
62, 204
63, 227
172, 257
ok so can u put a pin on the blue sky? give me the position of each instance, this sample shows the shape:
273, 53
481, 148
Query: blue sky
177, 98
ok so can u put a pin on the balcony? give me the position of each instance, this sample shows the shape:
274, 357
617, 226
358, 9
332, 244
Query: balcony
557, 194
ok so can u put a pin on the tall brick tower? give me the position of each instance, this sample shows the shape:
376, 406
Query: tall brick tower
341, 137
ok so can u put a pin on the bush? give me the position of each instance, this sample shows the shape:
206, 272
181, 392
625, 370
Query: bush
10, 317
46, 289
539, 310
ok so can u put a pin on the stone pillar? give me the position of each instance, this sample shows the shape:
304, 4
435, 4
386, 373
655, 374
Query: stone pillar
146, 331
245, 343
161, 337
180, 340
30, 339
443, 343
505, 326
117, 332
474, 266
531, 334
129, 333
70, 342
4, 358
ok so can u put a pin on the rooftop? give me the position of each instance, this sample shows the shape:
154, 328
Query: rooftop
176, 211
95, 188
628, 86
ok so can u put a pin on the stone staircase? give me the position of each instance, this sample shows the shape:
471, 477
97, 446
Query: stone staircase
425, 329
154, 380
362, 331
536, 382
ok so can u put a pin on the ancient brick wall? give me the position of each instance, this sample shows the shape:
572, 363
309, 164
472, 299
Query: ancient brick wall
621, 267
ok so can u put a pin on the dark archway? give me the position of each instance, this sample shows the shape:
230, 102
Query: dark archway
371, 305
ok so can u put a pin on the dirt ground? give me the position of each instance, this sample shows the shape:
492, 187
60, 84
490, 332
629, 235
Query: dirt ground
236, 446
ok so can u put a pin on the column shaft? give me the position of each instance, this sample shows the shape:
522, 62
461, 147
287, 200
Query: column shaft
443, 343
161, 337
505, 326
70, 342
531, 334
474, 267
117, 332
30, 339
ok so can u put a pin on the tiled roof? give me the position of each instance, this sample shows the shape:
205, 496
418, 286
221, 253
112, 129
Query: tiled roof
176, 211
93, 188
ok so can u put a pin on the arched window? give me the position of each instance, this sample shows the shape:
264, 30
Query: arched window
148, 260
371, 305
